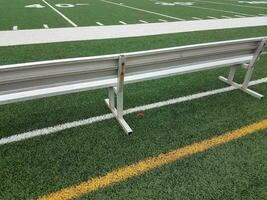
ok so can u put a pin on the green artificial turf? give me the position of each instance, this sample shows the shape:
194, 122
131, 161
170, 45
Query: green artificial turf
13, 13
233, 171
88, 13
45, 164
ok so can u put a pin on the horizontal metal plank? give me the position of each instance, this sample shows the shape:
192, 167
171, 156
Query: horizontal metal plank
34, 93
149, 75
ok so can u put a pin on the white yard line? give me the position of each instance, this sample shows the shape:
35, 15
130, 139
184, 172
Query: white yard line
142, 21
239, 5
46, 26
122, 22
139, 9
91, 120
62, 15
52, 35
15, 28
180, 19
99, 23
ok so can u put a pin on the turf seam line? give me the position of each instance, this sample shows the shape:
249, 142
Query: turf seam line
61, 14
140, 167
91, 120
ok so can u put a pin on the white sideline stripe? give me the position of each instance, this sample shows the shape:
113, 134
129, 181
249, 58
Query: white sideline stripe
139, 9
197, 18
46, 26
91, 120
58, 12
100, 24
162, 20
145, 22
15, 28
122, 22
52, 35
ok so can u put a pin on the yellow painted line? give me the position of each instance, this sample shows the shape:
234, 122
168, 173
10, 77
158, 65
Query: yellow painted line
140, 167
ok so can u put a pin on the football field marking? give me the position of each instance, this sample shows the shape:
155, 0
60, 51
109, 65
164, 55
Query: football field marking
140, 167
122, 22
180, 19
99, 23
144, 22
218, 10
91, 120
162, 20
142, 10
81, 4
212, 9
224, 3
41, 36
61, 14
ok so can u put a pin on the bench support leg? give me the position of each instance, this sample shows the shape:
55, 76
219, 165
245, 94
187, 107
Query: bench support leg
239, 86
118, 112
250, 68
115, 97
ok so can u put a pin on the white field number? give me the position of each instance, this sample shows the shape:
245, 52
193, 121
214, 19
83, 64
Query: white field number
253, 2
174, 3
34, 6
59, 5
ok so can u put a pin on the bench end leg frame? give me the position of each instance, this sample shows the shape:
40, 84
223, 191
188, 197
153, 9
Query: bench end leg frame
250, 69
239, 86
118, 112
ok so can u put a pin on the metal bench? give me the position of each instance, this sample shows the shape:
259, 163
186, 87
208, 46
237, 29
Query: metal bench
20, 82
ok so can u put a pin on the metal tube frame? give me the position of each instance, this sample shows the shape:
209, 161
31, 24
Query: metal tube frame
115, 97
250, 68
